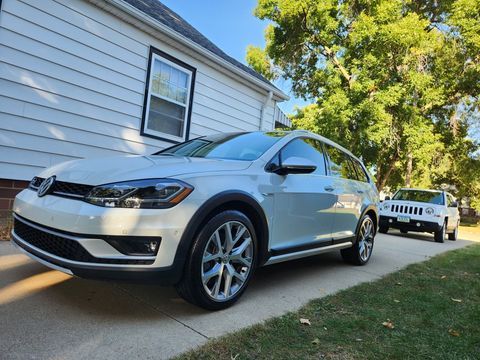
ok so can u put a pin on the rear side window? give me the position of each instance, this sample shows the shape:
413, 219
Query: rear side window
361, 175
340, 164
306, 148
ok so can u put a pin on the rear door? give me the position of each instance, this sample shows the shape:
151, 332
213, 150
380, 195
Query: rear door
304, 204
349, 194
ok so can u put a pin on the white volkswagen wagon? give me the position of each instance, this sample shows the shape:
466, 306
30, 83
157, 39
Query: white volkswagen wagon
201, 215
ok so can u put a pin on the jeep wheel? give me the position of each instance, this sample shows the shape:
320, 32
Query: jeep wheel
221, 262
440, 234
383, 229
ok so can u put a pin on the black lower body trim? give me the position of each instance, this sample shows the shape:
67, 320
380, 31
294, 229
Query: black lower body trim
309, 246
425, 226
160, 276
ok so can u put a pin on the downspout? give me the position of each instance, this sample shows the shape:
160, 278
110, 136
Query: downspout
262, 110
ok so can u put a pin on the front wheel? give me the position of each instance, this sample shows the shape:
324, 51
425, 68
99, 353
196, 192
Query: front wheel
361, 251
221, 262
383, 229
440, 234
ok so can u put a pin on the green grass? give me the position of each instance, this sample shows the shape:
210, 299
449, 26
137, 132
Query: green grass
348, 325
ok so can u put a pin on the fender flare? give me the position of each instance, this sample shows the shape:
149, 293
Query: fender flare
373, 208
214, 203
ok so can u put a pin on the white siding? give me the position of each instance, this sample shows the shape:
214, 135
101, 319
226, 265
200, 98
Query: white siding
72, 80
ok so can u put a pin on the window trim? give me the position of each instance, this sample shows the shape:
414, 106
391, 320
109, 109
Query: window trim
155, 53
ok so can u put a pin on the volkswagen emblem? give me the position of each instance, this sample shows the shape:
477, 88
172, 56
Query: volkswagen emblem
46, 186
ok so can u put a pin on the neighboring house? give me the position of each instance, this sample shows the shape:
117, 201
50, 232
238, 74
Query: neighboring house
90, 78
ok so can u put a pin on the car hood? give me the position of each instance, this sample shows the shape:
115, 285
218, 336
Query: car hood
123, 168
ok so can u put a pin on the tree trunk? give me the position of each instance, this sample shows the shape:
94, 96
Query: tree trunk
382, 178
408, 175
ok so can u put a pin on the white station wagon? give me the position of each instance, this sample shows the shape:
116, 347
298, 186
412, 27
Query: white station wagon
201, 215
423, 211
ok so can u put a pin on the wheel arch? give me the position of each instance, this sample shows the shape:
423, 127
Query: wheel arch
373, 213
227, 200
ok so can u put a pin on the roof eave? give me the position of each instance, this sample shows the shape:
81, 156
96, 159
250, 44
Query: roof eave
132, 11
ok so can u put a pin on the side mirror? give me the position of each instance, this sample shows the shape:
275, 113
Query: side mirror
295, 165
454, 204
387, 198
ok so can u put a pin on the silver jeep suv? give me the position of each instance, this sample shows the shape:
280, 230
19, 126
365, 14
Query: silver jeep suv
201, 215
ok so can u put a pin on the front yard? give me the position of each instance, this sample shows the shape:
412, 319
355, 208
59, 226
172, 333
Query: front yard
429, 310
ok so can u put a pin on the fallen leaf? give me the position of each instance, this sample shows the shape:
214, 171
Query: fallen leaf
443, 277
395, 300
398, 283
325, 328
358, 340
305, 321
234, 357
316, 341
453, 332
388, 324
457, 300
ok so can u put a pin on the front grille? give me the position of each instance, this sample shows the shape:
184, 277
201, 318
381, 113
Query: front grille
64, 247
406, 209
63, 188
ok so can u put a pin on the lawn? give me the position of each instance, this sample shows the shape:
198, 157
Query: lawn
429, 310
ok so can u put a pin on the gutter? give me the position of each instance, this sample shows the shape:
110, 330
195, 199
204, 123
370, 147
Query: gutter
131, 10
262, 110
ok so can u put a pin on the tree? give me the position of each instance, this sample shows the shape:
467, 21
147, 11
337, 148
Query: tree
394, 81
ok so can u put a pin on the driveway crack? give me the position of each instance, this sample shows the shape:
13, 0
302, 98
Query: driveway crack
140, 300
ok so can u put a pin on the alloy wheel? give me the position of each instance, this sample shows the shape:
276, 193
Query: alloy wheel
227, 261
365, 242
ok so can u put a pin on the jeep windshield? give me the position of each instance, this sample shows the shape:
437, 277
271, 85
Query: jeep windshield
431, 197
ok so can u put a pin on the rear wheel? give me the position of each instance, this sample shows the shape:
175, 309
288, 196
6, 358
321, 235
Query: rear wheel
404, 231
440, 234
221, 262
361, 251
454, 235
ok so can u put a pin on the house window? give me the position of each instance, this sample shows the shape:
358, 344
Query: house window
168, 100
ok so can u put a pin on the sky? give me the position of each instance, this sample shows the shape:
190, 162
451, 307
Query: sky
231, 26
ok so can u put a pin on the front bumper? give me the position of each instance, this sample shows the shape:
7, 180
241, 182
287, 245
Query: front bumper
413, 225
55, 257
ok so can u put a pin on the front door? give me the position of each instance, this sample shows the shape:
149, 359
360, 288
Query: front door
304, 204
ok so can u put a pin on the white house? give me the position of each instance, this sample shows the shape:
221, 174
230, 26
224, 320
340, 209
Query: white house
89, 78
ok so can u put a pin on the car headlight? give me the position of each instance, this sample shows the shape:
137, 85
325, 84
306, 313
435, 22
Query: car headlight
140, 194
386, 206
429, 211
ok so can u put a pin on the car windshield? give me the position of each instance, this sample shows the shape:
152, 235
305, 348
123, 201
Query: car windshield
432, 197
232, 146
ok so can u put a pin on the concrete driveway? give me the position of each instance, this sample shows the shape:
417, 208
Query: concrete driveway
45, 314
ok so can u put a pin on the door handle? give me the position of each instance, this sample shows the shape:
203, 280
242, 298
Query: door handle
360, 191
329, 188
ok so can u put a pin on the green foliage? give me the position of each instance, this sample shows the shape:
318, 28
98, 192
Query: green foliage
395, 81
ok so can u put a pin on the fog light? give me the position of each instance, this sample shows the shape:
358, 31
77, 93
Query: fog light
153, 246
418, 224
135, 245
390, 221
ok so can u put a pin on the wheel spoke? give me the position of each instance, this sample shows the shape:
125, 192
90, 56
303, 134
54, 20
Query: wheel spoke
228, 238
216, 270
228, 283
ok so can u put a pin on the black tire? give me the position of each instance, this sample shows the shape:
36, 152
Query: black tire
352, 254
191, 287
439, 235
404, 231
454, 235
383, 229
